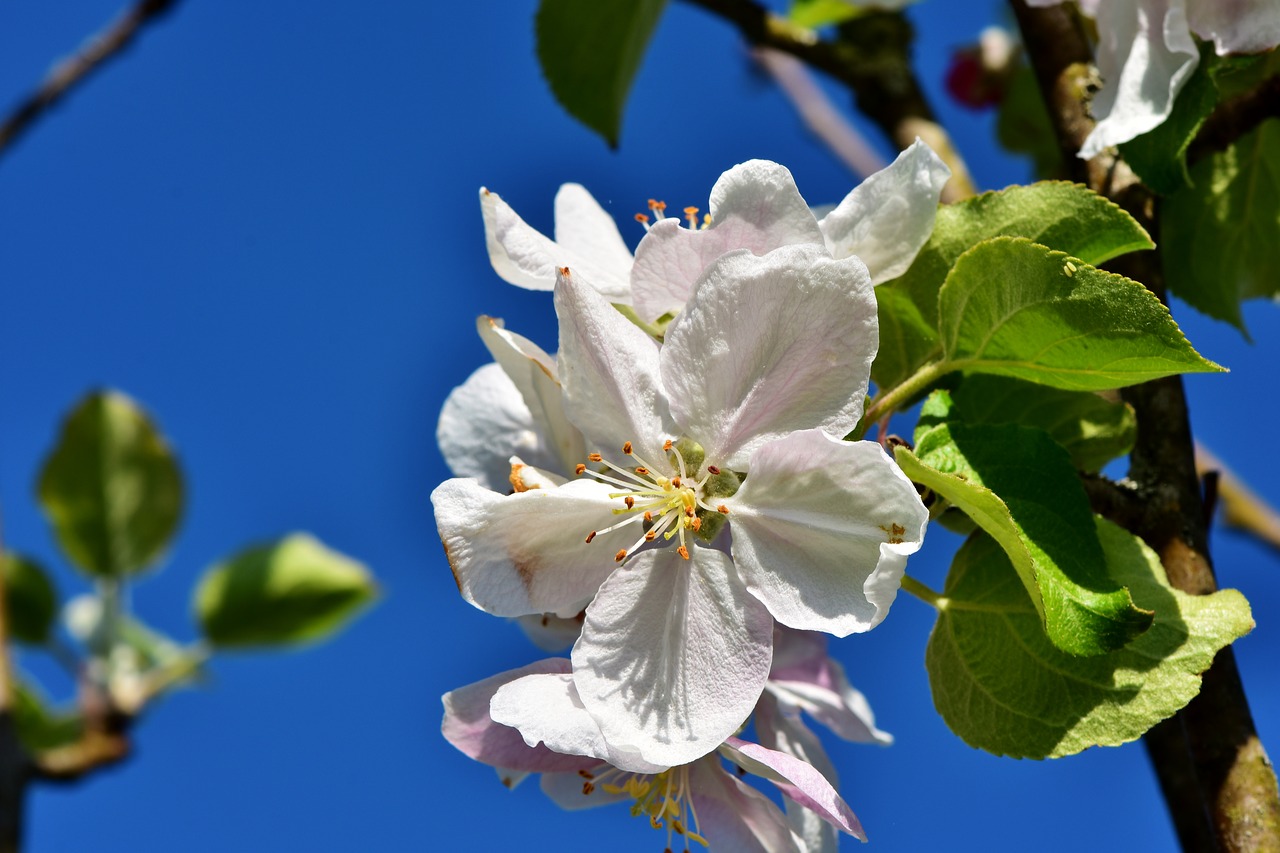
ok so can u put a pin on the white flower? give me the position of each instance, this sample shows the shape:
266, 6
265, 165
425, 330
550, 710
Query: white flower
1146, 55
767, 363
754, 206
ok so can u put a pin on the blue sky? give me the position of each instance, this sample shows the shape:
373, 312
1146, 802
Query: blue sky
262, 223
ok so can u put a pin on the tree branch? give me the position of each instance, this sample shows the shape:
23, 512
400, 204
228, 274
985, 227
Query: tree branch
73, 70
872, 59
1234, 118
14, 761
1228, 780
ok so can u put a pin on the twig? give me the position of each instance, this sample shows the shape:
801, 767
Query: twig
14, 761
76, 68
819, 114
871, 58
1242, 508
1234, 118
1229, 779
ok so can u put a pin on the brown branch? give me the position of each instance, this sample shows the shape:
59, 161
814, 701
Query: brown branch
14, 761
1224, 796
1242, 508
871, 58
1232, 119
73, 70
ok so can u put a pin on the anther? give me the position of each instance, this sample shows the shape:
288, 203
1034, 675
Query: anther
711, 469
650, 536
648, 516
620, 556
722, 508
564, 271
587, 788
580, 468
630, 502
683, 552
626, 448
642, 470
595, 457
591, 535
691, 213
677, 826
668, 444
642, 217
586, 774
696, 524
675, 481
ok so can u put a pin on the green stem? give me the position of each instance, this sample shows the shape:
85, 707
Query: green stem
933, 599
888, 402
630, 313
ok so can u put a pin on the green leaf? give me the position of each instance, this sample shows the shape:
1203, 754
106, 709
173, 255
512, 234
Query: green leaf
111, 488
295, 591
1015, 308
1219, 237
1001, 686
39, 727
1159, 156
813, 14
1023, 126
30, 601
590, 52
1093, 430
1019, 486
1062, 215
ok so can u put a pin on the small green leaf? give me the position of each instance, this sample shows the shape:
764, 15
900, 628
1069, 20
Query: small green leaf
30, 601
1019, 486
1219, 236
1159, 156
1093, 430
39, 727
1062, 215
295, 591
590, 52
111, 488
813, 14
1016, 308
1001, 686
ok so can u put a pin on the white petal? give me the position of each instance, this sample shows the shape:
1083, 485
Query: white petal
734, 816
609, 371
523, 256
469, 727
1236, 26
889, 216
513, 555
534, 374
768, 346
586, 229
546, 710
550, 632
484, 422
822, 529
673, 655
1145, 55
798, 780
783, 730
754, 206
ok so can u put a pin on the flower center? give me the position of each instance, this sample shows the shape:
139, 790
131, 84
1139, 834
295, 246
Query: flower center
664, 798
667, 500
659, 211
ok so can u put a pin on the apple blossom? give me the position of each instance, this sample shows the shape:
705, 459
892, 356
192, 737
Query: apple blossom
731, 420
1146, 55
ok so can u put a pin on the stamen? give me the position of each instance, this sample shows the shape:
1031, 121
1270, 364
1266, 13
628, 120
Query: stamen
630, 502
675, 481
587, 788
691, 213
650, 536
642, 470
724, 509
580, 468
642, 218
620, 556
667, 445
626, 448
683, 552
590, 536
711, 469
595, 457
648, 516
586, 774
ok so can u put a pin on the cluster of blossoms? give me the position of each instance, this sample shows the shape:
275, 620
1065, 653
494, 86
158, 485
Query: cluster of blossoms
672, 494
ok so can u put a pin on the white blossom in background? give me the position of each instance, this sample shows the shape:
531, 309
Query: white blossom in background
758, 377
754, 206
1146, 54
700, 801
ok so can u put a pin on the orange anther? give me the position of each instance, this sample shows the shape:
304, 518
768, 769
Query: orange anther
580, 469
591, 535
595, 457
650, 536
587, 787
711, 469
564, 271
675, 481
629, 501
691, 211
620, 556
626, 448
683, 552
648, 516
722, 508
642, 470
668, 444
642, 217
696, 524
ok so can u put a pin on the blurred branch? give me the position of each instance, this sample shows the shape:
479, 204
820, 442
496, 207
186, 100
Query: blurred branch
1234, 118
14, 762
1242, 508
819, 114
871, 58
1215, 775
73, 70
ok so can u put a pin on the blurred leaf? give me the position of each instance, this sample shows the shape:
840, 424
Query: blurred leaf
40, 728
1001, 686
1219, 237
1093, 430
1058, 214
291, 592
1159, 156
590, 52
1023, 125
111, 488
30, 601
1015, 308
813, 14
1020, 487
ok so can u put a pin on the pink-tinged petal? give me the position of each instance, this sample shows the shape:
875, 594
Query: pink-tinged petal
586, 229
783, 730
609, 371
804, 677
468, 726
768, 346
524, 553
673, 655
1145, 55
550, 632
523, 256
1236, 26
546, 710
484, 422
567, 790
797, 780
889, 216
822, 529
798, 655
734, 816
754, 206
534, 374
